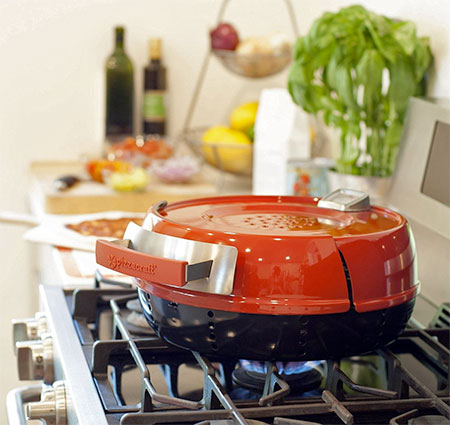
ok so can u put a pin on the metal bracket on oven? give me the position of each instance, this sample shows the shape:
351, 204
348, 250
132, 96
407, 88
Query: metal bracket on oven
124, 243
346, 200
210, 266
199, 270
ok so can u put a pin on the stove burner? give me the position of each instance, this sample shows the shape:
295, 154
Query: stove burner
430, 420
299, 383
287, 368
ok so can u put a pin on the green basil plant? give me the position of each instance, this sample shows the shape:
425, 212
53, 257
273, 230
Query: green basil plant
357, 70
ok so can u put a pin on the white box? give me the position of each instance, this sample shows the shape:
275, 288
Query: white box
282, 132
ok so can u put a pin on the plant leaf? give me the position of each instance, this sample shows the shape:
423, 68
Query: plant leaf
422, 58
300, 74
303, 96
330, 70
369, 73
299, 48
326, 117
322, 57
369, 69
387, 53
405, 35
403, 84
391, 145
344, 85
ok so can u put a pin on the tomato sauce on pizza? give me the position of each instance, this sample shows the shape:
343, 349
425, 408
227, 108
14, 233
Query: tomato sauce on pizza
104, 227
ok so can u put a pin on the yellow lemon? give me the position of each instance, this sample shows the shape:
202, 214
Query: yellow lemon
244, 116
227, 149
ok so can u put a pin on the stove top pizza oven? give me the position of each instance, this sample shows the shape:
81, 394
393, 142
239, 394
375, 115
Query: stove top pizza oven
96, 360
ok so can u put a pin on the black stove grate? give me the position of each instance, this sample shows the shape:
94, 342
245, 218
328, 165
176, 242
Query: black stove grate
402, 397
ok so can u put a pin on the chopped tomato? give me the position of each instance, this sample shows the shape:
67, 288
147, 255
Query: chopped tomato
96, 167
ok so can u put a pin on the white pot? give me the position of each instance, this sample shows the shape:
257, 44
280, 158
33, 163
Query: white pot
376, 187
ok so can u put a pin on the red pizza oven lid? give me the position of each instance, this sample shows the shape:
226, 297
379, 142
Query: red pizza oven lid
274, 216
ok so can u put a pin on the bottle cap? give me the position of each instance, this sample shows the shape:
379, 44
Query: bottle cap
155, 48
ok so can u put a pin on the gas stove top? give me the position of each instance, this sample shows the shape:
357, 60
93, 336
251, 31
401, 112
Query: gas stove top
102, 364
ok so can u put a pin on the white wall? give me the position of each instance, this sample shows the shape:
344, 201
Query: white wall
52, 54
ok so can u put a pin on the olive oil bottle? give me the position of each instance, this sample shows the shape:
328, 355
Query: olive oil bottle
154, 108
119, 91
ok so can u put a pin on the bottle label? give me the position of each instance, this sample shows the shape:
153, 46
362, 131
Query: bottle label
154, 106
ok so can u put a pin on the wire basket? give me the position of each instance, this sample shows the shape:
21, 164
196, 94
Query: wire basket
255, 65
234, 158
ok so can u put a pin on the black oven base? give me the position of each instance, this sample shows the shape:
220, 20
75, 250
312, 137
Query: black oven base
274, 337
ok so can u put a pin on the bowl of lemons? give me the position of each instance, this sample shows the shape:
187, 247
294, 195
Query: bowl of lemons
228, 147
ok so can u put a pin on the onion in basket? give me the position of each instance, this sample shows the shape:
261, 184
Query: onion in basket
257, 57
178, 169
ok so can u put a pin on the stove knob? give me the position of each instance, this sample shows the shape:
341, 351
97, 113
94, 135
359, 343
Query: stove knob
29, 329
35, 359
53, 406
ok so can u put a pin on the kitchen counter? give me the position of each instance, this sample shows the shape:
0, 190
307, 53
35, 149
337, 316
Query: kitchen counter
72, 268
88, 196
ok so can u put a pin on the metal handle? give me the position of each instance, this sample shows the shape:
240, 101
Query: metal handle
165, 259
116, 256
17, 398
346, 200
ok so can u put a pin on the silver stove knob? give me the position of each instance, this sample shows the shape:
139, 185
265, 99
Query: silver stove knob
29, 329
53, 406
35, 359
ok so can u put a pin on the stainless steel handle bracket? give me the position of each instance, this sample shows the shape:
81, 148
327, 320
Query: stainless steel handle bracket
346, 200
210, 267
198, 270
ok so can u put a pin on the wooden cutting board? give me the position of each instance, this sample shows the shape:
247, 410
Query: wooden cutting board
90, 197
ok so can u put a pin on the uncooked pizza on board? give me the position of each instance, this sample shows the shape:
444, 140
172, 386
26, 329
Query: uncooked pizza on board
104, 227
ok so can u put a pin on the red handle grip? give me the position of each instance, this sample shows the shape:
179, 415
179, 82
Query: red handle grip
141, 265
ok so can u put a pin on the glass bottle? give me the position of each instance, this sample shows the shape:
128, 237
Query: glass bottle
154, 107
119, 91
